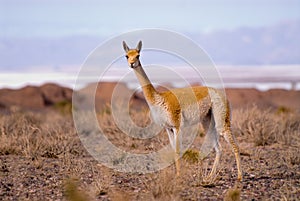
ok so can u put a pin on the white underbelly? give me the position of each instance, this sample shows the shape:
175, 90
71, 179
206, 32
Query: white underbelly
195, 113
190, 116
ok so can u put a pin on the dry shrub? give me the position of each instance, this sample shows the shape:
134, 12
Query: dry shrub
283, 110
165, 186
35, 134
64, 107
191, 156
266, 127
16, 131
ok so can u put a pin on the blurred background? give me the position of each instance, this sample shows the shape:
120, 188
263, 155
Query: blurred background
253, 43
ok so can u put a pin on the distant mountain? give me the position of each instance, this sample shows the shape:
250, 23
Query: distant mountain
278, 44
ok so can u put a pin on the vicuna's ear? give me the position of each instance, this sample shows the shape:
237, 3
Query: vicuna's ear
139, 46
126, 48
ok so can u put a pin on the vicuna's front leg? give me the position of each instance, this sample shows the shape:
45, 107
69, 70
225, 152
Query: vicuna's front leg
177, 151
175, 141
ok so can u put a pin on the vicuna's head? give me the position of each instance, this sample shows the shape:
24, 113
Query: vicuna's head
133, 55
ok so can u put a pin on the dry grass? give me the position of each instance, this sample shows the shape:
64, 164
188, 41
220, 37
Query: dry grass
47, 145
34, 135
165, 186
266, 127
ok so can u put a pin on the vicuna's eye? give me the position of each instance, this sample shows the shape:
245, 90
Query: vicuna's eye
126, 57
138, 56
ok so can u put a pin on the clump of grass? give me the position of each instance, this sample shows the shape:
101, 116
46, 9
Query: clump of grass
134, 146
64, 107
283, 110
72, 191
164, 187
105, 110
191, 156
233, 194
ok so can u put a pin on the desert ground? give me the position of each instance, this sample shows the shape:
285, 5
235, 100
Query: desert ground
43, 158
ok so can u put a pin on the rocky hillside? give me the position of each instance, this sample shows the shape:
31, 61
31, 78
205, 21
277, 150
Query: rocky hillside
47, 95
273, 98
32, 97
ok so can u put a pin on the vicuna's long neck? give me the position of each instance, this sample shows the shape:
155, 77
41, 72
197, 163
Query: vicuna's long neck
148, 89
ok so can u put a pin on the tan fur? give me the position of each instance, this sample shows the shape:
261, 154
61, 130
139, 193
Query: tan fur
177, 108
132, 56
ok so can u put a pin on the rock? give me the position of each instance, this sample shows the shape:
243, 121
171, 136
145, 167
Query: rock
28, 97
53, 93
32, 97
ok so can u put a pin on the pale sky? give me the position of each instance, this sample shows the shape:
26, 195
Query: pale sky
27, 27
56, 18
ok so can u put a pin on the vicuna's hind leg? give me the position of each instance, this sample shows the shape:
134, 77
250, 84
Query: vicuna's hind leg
218, 150
221, 115
231, 141
226, 132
